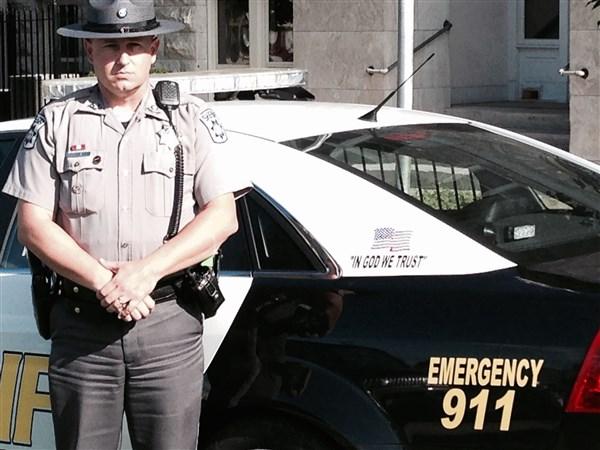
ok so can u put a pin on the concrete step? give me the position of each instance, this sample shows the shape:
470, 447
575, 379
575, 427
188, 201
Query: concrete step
538, 117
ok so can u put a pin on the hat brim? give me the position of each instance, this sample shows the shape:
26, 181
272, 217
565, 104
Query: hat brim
76, 31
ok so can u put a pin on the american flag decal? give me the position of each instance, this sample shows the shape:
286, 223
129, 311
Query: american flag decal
392, 239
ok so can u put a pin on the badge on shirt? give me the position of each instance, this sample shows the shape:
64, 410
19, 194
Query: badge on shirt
215, 129
167, 136
31, 137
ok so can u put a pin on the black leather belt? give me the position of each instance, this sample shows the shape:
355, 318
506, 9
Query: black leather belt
165, 290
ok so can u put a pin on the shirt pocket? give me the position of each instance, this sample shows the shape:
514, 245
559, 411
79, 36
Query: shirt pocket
159, 182
82, 184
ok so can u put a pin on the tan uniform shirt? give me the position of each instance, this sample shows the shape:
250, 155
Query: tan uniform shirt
112, 188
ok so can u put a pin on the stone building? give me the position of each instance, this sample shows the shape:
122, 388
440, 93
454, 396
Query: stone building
584, 94
507, 52
503, 56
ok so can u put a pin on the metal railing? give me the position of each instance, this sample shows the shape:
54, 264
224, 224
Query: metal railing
582, 73
447, 25
31, 51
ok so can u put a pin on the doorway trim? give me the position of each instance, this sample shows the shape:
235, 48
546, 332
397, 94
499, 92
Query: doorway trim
517, 43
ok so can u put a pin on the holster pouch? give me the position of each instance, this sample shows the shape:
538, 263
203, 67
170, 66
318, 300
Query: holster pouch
200, 285
42, 293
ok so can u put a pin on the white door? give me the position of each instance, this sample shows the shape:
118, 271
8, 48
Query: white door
542, 48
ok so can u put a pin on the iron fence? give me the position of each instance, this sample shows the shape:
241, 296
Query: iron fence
31, 51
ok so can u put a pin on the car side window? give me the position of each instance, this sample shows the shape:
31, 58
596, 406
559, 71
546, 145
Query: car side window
7, 142
11, 250
277, 244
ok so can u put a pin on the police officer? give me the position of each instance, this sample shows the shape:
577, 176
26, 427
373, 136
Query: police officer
95, 182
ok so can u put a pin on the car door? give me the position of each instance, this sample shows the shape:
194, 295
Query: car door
235, 280
25, 418
292, 296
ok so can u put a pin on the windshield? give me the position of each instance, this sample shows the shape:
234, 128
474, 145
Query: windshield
529, 205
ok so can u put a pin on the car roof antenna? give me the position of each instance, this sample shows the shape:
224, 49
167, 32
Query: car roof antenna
371, 116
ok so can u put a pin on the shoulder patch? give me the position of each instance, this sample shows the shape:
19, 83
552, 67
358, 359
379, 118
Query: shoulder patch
31, 137
214, 127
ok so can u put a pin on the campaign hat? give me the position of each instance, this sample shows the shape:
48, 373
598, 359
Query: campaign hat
110, 19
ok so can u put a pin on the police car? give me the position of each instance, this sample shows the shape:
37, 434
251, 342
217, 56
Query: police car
418, 281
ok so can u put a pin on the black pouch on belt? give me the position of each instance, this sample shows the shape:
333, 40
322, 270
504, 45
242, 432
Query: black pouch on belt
200, 285
43, 282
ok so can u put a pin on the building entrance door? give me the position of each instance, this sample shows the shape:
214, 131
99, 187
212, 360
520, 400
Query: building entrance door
542, 48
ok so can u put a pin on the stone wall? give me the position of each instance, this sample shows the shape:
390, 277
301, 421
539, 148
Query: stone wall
336, 40
479, 50
585, 94
187, 50
431, 86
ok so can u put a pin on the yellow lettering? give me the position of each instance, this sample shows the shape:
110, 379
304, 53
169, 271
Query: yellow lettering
483, 374
459, 371
8, 385
446, 370
471, 372
463, 371
30, 399
433, 370
510, 370
536, 367
522, 378
454, 405
506, 405
480, 402
496, 372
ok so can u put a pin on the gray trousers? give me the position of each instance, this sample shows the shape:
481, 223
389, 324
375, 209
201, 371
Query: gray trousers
101, 367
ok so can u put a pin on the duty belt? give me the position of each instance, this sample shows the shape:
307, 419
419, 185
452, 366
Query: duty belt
166, 289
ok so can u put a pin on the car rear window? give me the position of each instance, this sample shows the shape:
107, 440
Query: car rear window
529, 205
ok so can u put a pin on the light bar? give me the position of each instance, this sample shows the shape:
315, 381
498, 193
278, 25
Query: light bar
207, 82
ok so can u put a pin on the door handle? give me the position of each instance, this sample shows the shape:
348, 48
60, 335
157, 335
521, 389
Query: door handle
583, 72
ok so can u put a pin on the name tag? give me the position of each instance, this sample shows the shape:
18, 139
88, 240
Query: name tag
77, 154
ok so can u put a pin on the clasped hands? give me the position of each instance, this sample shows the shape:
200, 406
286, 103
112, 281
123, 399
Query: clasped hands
127, 294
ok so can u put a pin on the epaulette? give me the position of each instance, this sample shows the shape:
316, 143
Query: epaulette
189, 99
81, 94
